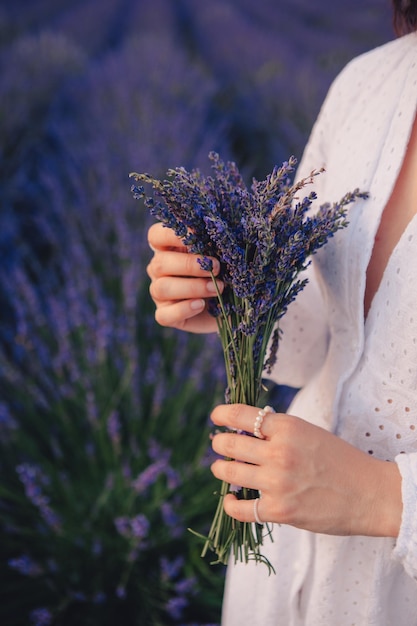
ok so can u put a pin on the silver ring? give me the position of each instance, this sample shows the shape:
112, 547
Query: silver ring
259, 419
255, 512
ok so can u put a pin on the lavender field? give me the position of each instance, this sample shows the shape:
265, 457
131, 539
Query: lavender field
104, 429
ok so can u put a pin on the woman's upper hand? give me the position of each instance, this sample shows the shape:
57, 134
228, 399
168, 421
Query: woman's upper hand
179, 286
308, 477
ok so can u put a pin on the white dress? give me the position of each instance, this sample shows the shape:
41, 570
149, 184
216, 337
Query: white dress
358, 377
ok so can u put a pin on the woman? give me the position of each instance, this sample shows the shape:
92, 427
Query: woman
338, 474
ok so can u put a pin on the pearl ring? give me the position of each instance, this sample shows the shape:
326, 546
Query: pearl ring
259, 419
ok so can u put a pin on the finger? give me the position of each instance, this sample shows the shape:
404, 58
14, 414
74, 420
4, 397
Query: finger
242, 417
169, 263
171, 289
236, 473
240, 447
188, 315
243, 510
162, 238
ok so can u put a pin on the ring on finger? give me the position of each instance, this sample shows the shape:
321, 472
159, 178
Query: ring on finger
258, 421
255, 512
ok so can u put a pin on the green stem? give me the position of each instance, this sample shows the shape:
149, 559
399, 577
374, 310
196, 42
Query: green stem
228, 536
229, 333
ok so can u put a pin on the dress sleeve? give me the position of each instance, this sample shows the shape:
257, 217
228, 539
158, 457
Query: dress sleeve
406, 545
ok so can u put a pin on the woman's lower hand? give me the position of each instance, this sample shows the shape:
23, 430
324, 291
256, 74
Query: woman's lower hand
179, 285
308, 477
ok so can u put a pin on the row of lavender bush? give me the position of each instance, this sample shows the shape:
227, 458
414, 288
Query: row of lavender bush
104, 434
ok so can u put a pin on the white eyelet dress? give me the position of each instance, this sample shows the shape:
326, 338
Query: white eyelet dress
358, 377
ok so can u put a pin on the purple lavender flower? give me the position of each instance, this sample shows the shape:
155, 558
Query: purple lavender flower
41, 617
114, 428
91, 406
150, 475
7, 422
33, 480
186, 586
171, 519
123, 526
127, 471
175, 606
170, 568
139, 526
79, 596
173, 478
99, 597
25, 565
132, 527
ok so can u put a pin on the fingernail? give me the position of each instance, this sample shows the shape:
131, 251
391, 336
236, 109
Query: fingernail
211, 287
197, 305
216, 266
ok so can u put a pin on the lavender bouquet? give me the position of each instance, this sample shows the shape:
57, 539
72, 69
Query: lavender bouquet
263, 238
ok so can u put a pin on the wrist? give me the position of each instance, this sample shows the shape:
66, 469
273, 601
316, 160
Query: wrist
385, 518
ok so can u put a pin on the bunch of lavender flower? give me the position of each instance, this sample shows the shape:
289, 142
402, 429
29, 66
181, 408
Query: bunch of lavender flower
263, 238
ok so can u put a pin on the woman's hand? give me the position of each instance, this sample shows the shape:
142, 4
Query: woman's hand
308, 477
179, 286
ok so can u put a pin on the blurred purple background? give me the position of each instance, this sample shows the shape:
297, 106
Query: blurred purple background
93, 394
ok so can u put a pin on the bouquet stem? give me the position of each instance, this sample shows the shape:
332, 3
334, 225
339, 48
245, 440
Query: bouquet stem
230, 537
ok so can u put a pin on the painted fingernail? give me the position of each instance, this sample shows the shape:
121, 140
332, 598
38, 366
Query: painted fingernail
197, 305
